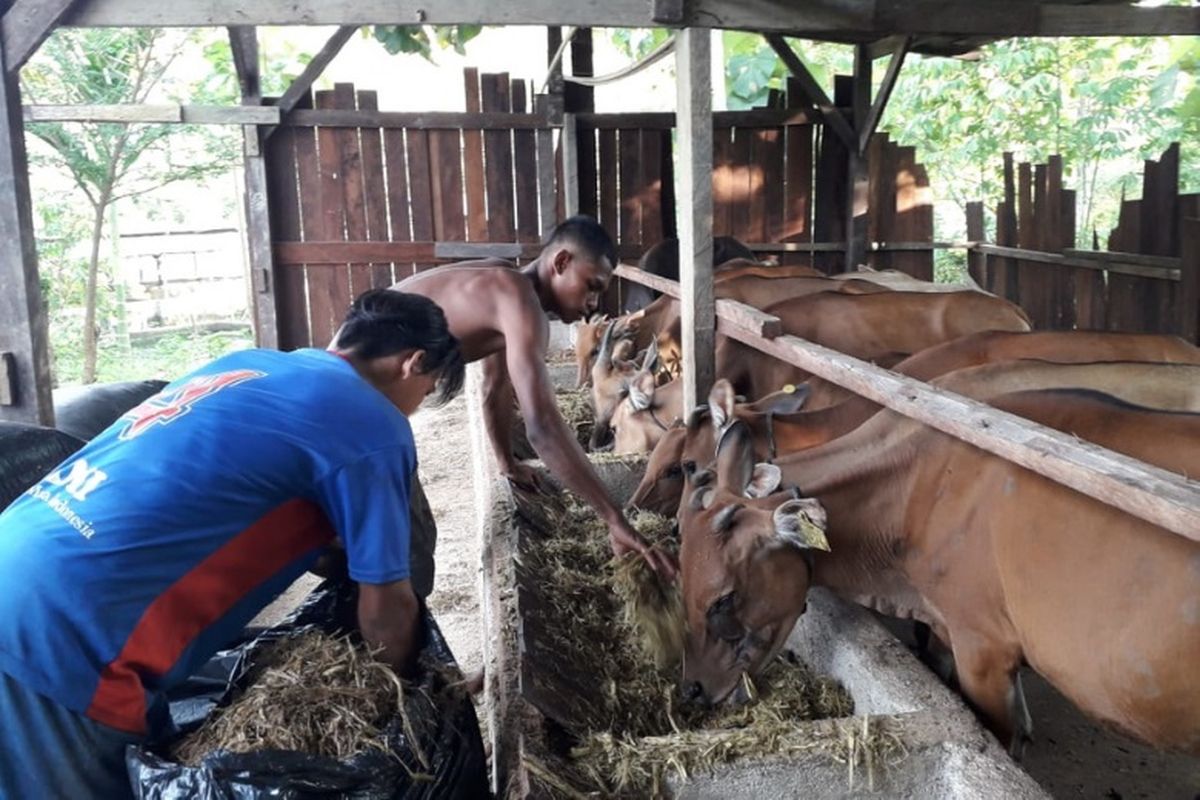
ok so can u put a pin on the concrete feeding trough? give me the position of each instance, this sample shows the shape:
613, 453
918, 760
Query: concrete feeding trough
947, 753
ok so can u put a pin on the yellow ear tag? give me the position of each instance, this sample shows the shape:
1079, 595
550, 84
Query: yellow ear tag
789, 389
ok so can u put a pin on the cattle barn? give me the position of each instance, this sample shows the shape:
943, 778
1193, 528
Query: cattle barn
341, 196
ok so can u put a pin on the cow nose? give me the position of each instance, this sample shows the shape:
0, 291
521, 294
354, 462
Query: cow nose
692, 692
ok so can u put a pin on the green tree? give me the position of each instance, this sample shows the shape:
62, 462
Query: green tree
420, 39
106, 162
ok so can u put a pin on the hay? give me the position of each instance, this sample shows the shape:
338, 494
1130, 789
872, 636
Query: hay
636, 728
575, 405
313, 693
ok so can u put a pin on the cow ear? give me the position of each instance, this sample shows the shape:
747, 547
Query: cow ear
641, 391
788, 400
722, 523
650, 363
801, 524
622, 352
721, 402
702, 498
764, 480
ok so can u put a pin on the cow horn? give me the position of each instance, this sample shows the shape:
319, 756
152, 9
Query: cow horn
723, 521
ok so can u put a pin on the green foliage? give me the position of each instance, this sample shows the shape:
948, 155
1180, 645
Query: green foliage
420, 39
280, 64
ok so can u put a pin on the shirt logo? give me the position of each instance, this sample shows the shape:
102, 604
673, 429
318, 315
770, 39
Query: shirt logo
166, 407
80, 481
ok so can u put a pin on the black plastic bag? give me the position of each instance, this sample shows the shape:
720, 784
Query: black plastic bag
85, 411
446, 727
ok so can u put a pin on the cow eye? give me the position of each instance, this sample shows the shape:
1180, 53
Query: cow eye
689, 466
674, 471
722, 619
595, 352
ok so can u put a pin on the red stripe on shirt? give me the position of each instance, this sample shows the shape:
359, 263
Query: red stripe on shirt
198, 599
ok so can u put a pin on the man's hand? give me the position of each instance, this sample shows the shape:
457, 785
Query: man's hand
624, 539
526, 477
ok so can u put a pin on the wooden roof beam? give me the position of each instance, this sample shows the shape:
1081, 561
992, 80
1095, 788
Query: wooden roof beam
243, 43
813, 91
866, 20
25, 25
867, 129
312, 71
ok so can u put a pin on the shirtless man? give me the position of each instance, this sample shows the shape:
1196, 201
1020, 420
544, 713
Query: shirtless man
498, 314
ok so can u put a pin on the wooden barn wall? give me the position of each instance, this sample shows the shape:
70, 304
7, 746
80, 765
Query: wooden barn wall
1038, 214
362, 204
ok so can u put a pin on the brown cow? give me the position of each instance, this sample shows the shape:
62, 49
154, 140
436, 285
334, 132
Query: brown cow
859, 325
779, 428
1010, 567
645, 324
989, 347
903, 282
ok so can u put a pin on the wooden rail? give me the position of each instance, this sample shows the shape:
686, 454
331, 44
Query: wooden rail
1143, 490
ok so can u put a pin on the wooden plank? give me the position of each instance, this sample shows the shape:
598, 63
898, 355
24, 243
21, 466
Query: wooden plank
497, 148
857, 179
853, 21
1113, 265
354, 200
1148, 492
26, 25
330, 291
652, 185
744, 316
374, 190
609, 217
1124, 308
256, 201
23, 324
976, 260
313, 69
769, 148
668, 185
882, 201
151, 113
1189, 284
547, 191
420, 186
693, 68
1006, 234
1062, 282
445, 169
798, 178
291, 305
743, 184
815, 94
1027, 275
723, 182
292, 253
473, 170
8, 379
482, 120
1131, 259
629, 149
525, 171
396, 175
569, 156
243, 48
317, 278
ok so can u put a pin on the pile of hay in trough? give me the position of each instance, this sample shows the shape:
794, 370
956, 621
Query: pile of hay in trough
575, 405
615, 626
313, 693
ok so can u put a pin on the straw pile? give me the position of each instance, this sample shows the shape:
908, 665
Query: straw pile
635, 728
575, 405
314, 693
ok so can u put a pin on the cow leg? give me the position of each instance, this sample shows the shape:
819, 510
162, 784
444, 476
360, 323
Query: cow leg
1019, 711
987, 675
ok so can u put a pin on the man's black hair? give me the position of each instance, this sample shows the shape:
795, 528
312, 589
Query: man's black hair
588, 235
383, 322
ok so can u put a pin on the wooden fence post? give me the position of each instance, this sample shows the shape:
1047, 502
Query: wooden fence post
976, 261
1189, 280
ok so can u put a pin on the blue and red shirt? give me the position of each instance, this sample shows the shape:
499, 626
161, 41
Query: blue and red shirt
140, 556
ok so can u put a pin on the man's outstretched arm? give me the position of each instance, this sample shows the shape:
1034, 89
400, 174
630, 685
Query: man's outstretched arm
388, 618
499, 409
525, 354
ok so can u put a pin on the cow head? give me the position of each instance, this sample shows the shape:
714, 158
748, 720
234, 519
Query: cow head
694, 444
746, 566
587, 346
616, 378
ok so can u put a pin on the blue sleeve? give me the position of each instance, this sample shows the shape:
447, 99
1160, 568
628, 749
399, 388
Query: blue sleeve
367, 502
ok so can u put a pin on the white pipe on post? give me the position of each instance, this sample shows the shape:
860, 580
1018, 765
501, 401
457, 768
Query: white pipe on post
694, 214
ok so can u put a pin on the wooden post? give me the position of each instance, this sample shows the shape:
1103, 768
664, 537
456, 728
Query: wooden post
857, 178
570, 166
23, 329
258, 234
693, 70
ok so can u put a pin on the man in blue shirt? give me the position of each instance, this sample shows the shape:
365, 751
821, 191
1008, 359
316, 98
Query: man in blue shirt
148, 550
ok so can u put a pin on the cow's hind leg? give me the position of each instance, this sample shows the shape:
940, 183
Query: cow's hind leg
988, 677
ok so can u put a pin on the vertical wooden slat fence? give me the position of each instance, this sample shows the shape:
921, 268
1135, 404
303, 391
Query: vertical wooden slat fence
1146, 280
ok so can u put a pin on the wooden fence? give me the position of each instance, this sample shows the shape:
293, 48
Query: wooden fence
361, 198
1147, 280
